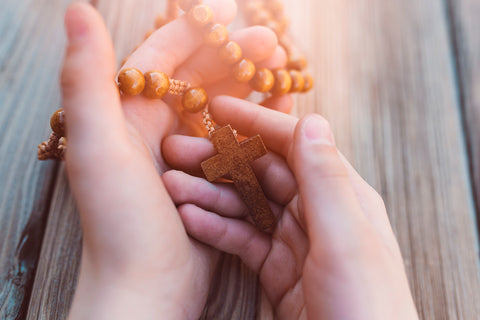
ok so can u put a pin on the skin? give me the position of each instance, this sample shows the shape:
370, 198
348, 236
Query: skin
333, 246
137, 259
333, 254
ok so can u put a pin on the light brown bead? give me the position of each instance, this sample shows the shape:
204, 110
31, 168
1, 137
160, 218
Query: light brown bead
244, 70
308, 82
195, 100
230, 52
276, 7
156, 84
261, 17
200, 15
131, 81
298, 82
216, 35
186, 5
262, 81
57, 122
296, 61
283, 82
274, 26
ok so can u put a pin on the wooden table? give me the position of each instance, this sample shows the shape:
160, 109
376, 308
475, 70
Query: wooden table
398, 80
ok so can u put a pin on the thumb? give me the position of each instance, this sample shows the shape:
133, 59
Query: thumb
90, 96
330, 207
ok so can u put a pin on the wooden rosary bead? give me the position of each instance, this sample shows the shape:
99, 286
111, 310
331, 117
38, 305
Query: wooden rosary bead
57, 122
298, 82
308, 82
200, 15
276, 7
251, 8
195, 100
186, 5
131, 81
244, 70
296, 61
157, 84
263, 80
216, 35
261, 17
230, 52
283, 82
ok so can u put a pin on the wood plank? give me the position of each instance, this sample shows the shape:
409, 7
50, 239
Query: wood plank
465, 26
386, 82
25, 107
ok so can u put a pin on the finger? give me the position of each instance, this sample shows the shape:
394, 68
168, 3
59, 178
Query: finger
90, 97
330, 205
186, 153
249, 119
204, 68
371, 203
220, 198
228, 235
230, 87
171, 45
282, 103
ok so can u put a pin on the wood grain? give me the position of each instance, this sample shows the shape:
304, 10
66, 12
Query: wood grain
28, 95
465, 26
385, 80
60, 257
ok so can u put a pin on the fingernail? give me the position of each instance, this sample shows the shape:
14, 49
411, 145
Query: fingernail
75, 22
317, 130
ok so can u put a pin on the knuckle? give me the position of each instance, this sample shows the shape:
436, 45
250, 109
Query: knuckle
323, 123
325, 160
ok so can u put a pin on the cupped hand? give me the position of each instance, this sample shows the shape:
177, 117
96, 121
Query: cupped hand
333, 254
137, 260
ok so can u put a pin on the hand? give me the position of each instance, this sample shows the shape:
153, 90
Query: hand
332, 255
137, 260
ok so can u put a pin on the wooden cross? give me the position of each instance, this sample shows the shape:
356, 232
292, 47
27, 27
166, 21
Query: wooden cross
234, 159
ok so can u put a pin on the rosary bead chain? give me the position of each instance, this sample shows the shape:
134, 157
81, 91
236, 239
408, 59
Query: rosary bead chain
230, 52
200, 16
195, 100
244, 70
216, 35
57, 122
156, 84
263, 80
178, 87
131, 81
53, 148
298, 82
283, 82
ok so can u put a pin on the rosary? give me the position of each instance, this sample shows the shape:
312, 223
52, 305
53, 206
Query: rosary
233, 157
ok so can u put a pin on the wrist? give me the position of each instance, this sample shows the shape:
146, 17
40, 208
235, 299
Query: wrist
110, 296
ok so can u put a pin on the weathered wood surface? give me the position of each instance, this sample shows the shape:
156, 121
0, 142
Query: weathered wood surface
386, 81
386, 78
465, 33
28, 95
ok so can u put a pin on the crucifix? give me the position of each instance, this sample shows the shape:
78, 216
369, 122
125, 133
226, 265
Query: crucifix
233, 159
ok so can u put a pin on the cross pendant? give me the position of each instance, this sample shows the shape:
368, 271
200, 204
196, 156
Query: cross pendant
234, 159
